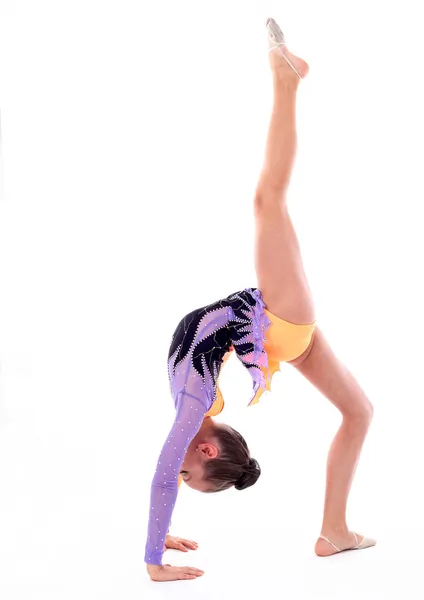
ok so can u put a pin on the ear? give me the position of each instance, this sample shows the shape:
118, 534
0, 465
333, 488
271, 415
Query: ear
207, 450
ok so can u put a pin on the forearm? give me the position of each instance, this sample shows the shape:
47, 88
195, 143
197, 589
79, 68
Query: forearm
164, 488
162, 502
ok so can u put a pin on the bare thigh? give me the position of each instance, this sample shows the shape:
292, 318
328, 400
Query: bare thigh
279, 266
332, 378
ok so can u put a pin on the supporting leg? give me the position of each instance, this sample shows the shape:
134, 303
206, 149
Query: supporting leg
322, 368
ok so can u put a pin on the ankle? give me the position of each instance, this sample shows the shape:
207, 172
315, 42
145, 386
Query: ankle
285, 81
339, 530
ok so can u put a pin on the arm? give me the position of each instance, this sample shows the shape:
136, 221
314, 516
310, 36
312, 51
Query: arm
188, 420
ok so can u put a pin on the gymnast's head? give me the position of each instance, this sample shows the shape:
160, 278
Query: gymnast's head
217, 459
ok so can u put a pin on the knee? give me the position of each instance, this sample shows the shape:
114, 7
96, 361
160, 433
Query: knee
368, 412
268, 199
361, 416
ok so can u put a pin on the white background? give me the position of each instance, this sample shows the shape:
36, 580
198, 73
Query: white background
132, 138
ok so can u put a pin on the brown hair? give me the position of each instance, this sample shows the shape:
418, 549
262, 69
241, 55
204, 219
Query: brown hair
233, 465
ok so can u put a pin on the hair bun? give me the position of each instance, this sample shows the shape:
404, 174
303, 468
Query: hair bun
249, 476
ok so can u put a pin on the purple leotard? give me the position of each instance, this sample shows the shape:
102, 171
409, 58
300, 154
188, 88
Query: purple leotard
196, 354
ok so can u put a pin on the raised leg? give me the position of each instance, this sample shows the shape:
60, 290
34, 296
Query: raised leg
323, 369
278, 261
283, 283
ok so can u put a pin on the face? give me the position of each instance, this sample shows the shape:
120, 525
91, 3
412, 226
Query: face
192, 469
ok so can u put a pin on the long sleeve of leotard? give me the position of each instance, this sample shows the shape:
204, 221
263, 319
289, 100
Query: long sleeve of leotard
189, 417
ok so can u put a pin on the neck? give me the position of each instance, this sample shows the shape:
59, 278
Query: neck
205, 432
207, 424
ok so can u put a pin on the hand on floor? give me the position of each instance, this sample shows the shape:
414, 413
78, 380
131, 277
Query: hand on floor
176, 543
168, 573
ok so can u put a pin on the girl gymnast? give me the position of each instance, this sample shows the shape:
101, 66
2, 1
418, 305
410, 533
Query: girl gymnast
264, 326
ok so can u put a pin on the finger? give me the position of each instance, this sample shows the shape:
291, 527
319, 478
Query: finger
193, 571
188, 542
181, 547
191, 545
187, 576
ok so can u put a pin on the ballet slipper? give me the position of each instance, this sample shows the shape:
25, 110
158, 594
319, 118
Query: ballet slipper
277, 40
365, 543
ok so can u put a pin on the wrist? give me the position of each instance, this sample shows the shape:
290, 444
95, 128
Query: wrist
154, 557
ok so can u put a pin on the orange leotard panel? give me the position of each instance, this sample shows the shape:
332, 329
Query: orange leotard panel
285, 341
